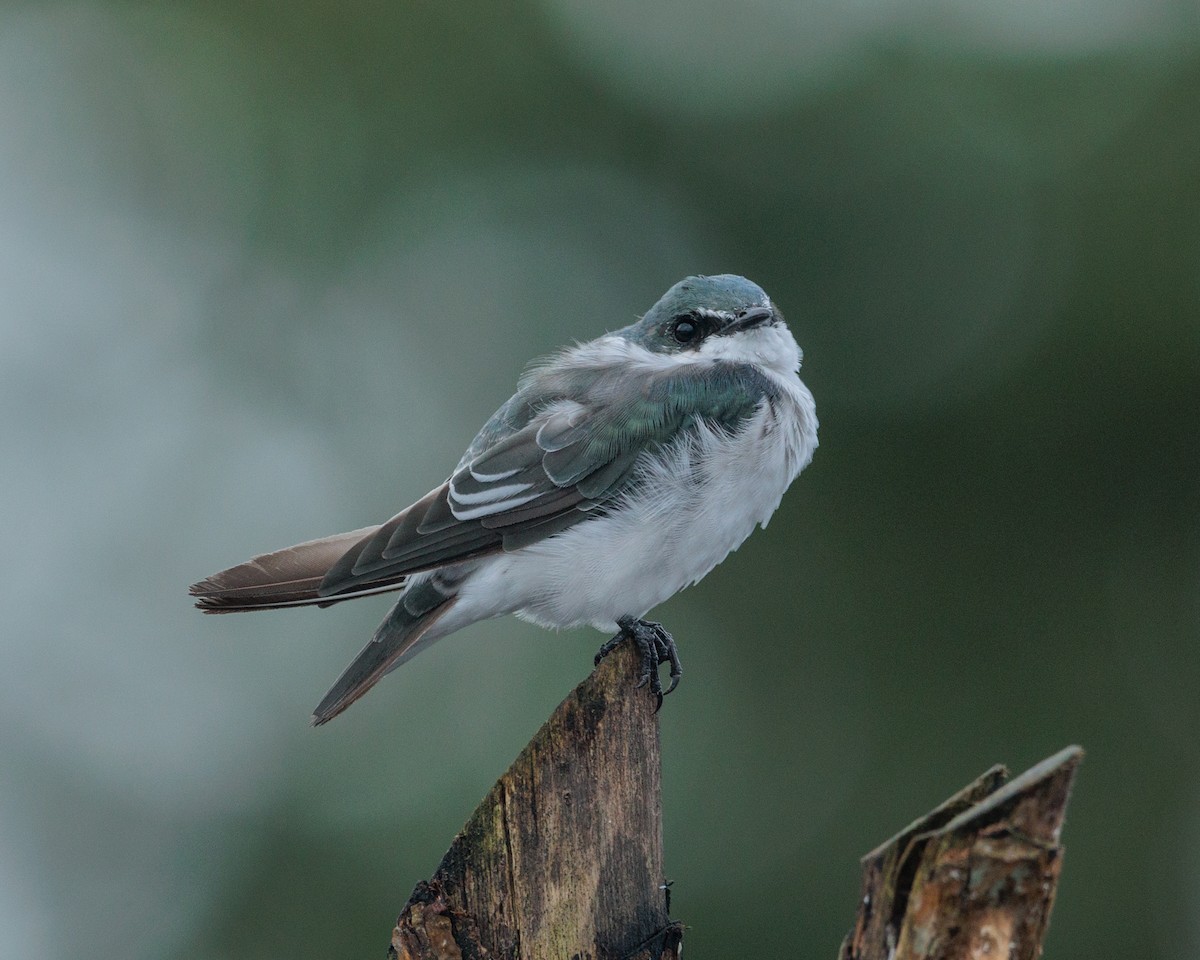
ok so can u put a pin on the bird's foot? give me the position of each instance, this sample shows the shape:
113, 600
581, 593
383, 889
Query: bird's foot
655, 646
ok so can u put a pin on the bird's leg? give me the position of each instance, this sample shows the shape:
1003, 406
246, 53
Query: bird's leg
655, 646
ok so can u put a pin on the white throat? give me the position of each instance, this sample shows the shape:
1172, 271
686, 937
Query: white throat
770, 345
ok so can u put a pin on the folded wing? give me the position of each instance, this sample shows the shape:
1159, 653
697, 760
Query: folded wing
563, 460
561, 451
538, 480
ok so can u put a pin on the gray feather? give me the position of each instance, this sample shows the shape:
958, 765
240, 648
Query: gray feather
285, 578
398, 639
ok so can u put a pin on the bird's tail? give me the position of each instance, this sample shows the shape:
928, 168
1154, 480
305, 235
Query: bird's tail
285, 578
405, 632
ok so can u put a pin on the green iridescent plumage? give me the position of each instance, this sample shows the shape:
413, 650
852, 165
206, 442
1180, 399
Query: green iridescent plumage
584, 461
568, 443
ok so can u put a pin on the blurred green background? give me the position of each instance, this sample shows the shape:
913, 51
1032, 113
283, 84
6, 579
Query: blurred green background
265, 268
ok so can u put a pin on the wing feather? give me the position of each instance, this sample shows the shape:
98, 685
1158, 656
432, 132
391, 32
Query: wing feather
545, 462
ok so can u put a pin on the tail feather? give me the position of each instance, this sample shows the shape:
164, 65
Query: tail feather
399, 638
286, 578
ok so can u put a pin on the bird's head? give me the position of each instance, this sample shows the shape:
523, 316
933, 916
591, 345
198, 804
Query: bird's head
722, 317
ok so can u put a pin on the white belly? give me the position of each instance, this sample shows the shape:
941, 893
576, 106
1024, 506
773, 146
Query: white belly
697, 504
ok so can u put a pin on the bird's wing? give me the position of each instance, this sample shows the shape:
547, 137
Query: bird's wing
557, 453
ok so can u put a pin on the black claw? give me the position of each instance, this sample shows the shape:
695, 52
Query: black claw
655, 646
608, 647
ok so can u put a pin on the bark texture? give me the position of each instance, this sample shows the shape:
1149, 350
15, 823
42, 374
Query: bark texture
973, 879
563, 858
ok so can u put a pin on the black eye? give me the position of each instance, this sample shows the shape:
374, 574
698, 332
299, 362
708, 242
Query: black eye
685, 330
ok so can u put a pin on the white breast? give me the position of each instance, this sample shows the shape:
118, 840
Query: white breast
700, 500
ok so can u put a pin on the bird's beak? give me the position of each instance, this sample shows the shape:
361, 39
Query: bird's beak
748, 319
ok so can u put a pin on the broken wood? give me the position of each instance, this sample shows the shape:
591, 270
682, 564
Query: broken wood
975, 878
563, 858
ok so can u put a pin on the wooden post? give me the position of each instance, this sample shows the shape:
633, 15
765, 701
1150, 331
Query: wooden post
973, 879
563, 858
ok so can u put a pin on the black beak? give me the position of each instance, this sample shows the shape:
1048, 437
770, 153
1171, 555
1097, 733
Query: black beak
748, 319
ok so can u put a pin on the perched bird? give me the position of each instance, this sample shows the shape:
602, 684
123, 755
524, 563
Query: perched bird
621, 471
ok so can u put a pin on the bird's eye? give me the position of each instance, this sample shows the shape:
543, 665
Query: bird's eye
685, 330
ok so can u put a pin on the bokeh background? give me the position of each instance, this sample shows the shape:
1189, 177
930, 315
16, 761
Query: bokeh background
265, 268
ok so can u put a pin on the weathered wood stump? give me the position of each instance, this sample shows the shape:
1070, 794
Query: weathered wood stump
975, 878
563, 858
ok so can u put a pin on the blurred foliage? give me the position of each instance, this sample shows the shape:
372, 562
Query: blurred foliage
266, 267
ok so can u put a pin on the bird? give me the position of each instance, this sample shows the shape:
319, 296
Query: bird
622, 470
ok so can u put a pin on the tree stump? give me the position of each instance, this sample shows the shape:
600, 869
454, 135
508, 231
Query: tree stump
973, 879
563, 858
